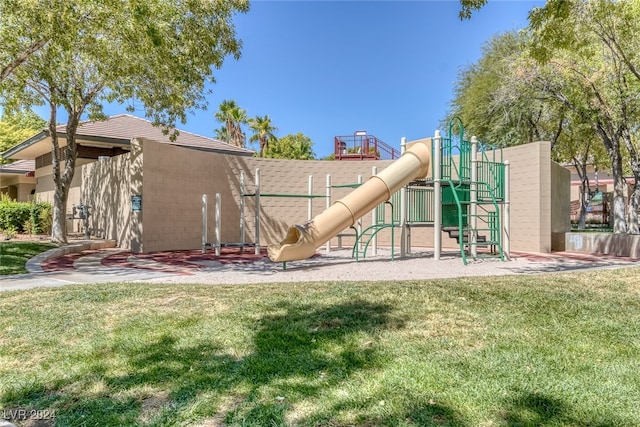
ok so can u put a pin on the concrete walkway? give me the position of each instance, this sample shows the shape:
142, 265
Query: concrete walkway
92, 262
86, 269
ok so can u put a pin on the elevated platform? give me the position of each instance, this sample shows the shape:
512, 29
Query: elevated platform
361, 146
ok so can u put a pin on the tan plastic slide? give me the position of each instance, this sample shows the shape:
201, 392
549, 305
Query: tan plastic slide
302, 241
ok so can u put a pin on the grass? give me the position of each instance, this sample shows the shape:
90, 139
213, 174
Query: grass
545, 350
14, 255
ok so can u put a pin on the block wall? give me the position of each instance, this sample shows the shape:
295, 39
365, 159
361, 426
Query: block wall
530, 170
176, 178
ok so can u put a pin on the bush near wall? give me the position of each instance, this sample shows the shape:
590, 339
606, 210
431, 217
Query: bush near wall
25, 217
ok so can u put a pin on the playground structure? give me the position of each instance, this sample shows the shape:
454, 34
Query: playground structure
463, 193
362, 146
302, 240
467, 198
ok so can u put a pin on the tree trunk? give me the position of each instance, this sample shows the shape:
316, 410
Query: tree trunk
58, 220
62, 181
263, 143
634, 205
619, 220
611, 141
634, 200
581, 168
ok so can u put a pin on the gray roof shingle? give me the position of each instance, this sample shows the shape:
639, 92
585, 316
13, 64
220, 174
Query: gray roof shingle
126, 127
19, 167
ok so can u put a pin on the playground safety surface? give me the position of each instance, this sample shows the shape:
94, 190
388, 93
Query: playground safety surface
236, 267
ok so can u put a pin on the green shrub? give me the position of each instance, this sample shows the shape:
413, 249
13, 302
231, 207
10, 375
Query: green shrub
46, 218
31, 217
29, 227
9, 233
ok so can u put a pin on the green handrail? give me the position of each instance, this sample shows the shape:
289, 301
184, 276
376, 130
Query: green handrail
298, 196
354, 185
377, 227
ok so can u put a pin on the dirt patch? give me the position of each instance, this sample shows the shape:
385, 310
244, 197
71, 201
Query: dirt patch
152, 406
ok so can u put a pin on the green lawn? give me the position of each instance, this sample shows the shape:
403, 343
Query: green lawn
14, 255
544, 350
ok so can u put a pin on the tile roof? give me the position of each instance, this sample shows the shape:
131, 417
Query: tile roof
18, 167
126, 127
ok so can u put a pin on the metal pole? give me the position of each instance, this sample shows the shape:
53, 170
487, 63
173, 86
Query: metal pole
204, 223
403, 208
506, 247
257, 203
437, 196
374, 218
242, 221
218, 222
473, 207
359, 221
310, 201
328, 205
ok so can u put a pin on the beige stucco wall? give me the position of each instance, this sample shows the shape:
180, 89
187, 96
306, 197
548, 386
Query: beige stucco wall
45, 187
45, 191
24, 191
105, 186
18, 186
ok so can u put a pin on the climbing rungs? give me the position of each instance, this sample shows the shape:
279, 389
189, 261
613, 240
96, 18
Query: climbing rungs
363, 240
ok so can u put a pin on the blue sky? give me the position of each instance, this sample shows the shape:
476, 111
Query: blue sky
327, 68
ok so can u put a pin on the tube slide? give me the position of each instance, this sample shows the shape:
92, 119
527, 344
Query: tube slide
302, 241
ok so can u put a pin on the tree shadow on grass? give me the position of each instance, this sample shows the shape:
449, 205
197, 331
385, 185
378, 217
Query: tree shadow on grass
535, 409
297, 353
417, 412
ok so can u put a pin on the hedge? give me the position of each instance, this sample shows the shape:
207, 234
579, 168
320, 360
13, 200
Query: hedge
30, 217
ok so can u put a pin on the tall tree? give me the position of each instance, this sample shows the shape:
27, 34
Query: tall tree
594, 44
240, 119
233, 119
161, 51
496, 104
263, 132
506, 99
293, 146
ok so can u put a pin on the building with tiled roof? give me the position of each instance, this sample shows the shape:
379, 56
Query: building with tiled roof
17, 180
112, 137
100, 143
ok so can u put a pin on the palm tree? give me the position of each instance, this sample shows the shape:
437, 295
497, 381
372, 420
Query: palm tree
223, 115
238, 118
233, 118
263, 131
221, 134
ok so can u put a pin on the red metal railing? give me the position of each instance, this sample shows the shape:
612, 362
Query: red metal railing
361, 146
